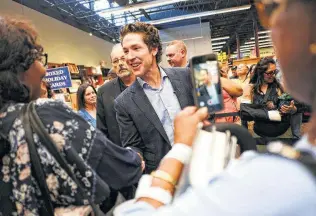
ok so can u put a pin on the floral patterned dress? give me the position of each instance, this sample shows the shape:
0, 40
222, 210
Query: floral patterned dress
95, 161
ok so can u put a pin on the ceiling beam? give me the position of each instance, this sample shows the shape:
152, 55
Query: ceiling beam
201, 14
134, 7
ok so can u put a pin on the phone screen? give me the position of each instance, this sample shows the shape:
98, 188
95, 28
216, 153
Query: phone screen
207, 84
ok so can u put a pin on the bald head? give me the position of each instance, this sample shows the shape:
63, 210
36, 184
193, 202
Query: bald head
176, 53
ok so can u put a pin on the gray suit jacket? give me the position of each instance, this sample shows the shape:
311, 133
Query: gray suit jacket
106, 117
140, 127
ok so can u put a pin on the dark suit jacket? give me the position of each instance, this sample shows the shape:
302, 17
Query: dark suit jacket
140, 127
106, 117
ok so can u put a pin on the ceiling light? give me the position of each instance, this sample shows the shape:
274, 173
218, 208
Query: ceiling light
220, 38
214, 48
220, 43
261, 37
136, 7
264, 32
253, 44
201, 14
246, 46
266, 40
250, 42
264, 46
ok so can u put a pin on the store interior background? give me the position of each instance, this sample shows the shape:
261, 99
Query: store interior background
62, 42
66, 44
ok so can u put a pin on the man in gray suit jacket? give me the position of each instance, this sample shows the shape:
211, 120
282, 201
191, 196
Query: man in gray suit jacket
145, 111
106, 120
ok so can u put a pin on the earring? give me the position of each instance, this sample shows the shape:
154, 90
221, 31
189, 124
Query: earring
312, 48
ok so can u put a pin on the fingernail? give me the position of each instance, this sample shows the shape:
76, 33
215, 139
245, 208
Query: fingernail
204, 109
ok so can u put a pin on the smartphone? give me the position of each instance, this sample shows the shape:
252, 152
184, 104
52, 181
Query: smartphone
207, 89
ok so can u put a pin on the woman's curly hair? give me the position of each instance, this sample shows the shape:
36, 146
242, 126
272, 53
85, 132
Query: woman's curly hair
150, 35
18, 51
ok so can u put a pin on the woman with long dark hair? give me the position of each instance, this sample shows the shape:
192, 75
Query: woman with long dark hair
264, 78
265, 91
87, 102
94, 160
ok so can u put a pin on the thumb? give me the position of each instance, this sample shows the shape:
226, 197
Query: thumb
202, 114
292, 103
188, 111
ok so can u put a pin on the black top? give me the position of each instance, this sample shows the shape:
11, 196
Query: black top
273, 96
106, 116
122, 85
86, 149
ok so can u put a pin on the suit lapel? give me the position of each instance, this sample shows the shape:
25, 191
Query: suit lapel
143, 103
178, 87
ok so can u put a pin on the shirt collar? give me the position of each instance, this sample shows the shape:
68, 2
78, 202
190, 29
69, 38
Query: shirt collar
144, 84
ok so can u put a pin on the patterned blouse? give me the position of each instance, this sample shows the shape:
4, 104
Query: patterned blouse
96, 161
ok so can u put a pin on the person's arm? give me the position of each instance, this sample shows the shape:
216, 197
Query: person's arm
247, 92
229, 192
185, 128
101, 119
231, 87
118, 167
129, 134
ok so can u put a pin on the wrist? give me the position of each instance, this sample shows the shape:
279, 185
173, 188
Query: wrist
181, 152
183, 142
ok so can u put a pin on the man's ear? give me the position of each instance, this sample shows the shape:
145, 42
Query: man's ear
183, 53
154, 50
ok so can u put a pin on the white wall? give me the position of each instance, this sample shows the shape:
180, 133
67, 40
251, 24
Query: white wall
197, 46
62, 42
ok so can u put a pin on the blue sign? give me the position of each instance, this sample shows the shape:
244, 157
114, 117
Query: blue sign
58, 78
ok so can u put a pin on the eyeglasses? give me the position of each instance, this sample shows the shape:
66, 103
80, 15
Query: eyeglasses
271, 73
44, 59
266, 8
116, 61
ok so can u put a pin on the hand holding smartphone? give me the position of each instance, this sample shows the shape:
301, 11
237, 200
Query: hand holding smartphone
207, 89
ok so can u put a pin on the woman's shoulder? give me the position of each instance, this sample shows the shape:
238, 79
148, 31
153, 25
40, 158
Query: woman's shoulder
82, 113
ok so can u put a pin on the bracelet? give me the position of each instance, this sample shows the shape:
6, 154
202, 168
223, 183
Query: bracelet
180, 152
156, 193
164, 176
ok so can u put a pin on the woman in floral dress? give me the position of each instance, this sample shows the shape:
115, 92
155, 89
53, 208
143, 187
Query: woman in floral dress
97, 163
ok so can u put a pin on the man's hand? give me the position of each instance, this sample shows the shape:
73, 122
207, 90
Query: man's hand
186, 122
143, 162
289, 109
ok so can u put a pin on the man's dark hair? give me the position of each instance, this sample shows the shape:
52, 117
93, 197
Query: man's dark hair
18, 51
150, 36
80, 95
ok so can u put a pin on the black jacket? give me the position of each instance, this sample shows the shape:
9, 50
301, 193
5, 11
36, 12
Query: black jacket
106, 117
140, 127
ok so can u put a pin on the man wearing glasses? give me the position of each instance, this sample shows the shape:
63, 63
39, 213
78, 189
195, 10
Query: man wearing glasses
106, 120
